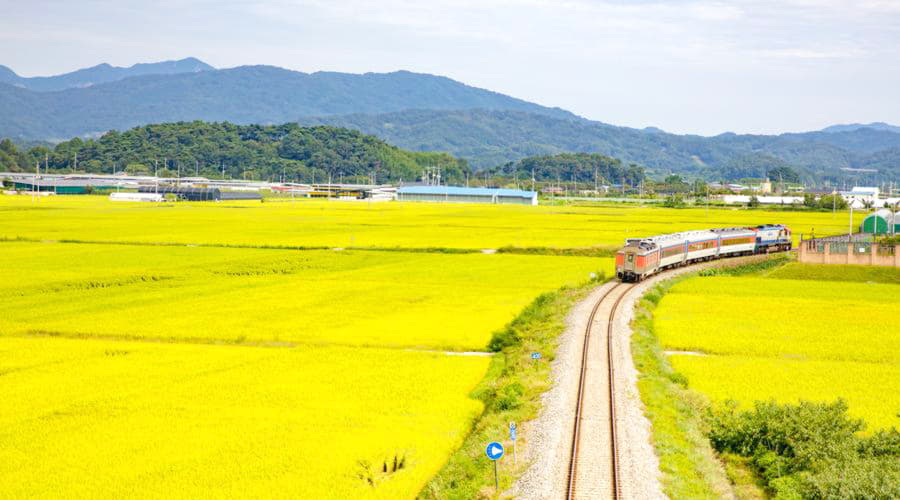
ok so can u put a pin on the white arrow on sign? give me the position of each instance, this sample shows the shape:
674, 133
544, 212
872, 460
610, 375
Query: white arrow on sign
495, 450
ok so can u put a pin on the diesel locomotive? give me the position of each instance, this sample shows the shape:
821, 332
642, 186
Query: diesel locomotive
642, 257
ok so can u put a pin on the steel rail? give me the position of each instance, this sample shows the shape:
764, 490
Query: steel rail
579, 404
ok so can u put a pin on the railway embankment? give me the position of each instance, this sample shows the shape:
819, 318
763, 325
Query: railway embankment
655, 425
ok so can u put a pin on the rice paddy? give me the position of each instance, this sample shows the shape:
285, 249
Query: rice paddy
278, 348
802, 332
94, 418
315, 223
355, 298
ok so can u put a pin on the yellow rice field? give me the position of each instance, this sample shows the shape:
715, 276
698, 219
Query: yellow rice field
205, 350
362, 224
787, 339
367, 298
112, 419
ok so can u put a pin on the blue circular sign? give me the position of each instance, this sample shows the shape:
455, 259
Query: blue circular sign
494, 450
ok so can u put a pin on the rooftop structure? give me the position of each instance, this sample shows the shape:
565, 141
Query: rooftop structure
466, 195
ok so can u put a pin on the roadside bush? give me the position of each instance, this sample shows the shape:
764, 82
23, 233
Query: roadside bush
512, 333
810, 450
674, 201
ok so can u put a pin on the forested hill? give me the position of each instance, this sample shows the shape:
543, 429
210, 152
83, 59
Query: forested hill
243, 95
488, 138
303, 154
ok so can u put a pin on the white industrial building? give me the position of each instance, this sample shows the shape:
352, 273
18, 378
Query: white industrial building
451, 194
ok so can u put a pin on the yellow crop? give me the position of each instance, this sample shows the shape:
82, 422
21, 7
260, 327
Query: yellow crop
867, 387
172, 366
789, 339
363, 224
114, 419
435, 301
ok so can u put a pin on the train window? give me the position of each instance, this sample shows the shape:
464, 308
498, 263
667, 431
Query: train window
631, 257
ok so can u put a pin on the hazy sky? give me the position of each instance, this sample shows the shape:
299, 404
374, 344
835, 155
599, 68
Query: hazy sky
687, 66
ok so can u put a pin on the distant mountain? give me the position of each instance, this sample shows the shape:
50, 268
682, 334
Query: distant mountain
101, 73
420, 112
489, 138
856, 126
244, 95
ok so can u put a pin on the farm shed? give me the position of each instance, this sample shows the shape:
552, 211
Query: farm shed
64, 186
185, 193
881, 222
442, 194
151, 197
236, 195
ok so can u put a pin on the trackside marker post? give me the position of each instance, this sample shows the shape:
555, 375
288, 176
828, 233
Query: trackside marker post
512, 436
494, 451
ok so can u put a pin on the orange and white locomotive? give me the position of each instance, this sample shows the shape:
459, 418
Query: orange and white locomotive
642, 257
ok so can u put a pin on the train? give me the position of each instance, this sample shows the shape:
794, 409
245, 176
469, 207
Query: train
642, 257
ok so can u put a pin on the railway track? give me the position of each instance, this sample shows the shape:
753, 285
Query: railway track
593, 463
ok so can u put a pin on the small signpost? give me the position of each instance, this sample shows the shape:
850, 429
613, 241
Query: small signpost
535, 356
494, 451
512, 437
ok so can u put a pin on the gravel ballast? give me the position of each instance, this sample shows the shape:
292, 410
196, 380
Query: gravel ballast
549, 436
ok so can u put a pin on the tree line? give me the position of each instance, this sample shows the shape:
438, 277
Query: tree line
286, 152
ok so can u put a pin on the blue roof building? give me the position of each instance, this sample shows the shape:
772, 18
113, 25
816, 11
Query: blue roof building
452, 194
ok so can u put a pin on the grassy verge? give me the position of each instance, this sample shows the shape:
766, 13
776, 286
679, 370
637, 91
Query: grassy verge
511, 392
688, 464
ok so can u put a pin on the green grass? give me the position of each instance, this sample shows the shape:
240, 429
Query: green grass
687, 462
510, 392
745, 483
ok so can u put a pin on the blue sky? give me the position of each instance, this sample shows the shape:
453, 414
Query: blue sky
687, 66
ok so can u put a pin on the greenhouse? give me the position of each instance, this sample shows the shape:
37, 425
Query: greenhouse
883, 221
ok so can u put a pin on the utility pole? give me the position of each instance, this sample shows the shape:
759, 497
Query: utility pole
850, 232
37, 174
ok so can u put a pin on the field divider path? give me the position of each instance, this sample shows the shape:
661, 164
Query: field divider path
268, 344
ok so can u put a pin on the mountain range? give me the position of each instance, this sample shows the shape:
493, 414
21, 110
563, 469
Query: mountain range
416, 111
101, 73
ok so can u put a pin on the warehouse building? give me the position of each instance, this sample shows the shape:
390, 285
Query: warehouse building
189, 193
883, 221
450, 194
64, 186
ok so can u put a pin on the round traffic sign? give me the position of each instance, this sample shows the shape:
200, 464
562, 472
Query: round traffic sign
494, 450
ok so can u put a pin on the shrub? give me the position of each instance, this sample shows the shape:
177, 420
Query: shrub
810, 450
674, 201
